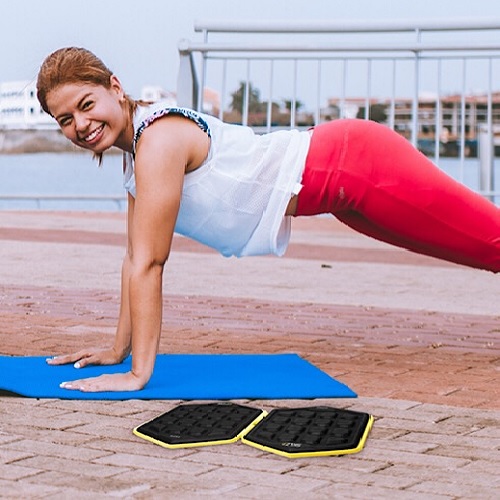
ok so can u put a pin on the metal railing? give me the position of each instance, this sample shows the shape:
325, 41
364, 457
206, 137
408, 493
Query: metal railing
119, 201
384, 63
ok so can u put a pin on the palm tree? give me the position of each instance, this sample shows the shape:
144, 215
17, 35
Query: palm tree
376, 113
288, 104
254, 103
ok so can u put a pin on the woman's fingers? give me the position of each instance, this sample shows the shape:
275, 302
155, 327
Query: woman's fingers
87, 357
115, 382
65, 359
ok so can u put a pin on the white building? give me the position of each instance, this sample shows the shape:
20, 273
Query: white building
211, 98
20, 109
154, 93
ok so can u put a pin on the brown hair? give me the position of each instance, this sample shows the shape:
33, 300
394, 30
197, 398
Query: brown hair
73, 65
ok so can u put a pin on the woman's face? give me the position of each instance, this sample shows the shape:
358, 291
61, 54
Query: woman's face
92, 116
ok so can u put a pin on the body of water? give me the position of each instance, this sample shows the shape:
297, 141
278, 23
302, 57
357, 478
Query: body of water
77, 175
61, 174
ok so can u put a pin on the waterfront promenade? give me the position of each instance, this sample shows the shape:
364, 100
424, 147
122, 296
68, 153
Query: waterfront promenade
416, 338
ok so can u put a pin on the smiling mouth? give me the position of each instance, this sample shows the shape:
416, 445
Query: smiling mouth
92, 136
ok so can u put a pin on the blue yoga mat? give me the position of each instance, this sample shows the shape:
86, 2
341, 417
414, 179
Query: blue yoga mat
183, 376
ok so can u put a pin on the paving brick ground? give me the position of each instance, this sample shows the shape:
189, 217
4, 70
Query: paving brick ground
416, 338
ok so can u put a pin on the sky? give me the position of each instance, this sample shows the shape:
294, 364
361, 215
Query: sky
138, 39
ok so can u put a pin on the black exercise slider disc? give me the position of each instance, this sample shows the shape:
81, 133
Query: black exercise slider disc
307, 432
203, 424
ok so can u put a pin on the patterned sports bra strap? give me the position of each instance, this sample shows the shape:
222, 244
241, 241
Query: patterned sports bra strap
188, 113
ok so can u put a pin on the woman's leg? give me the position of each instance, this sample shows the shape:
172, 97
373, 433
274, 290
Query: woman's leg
376, 182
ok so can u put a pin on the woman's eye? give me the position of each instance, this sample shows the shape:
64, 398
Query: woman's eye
64, 121
87, 104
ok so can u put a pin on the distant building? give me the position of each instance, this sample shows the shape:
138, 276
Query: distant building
211, 98
20, 109
155, 93
211, 102
400, 113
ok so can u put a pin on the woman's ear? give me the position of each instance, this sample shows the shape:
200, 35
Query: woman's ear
116, 86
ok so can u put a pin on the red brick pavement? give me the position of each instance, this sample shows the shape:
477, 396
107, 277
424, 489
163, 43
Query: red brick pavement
424, 356
430, 379
295, 250
434, 357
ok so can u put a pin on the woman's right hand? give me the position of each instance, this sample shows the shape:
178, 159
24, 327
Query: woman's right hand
87, 357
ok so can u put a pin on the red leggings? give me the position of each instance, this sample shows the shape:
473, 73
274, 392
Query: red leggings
376, 182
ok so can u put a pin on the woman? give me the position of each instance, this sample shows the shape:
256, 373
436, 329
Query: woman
233, 190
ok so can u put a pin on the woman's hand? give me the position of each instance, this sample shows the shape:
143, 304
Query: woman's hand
104, 383
87, 357
116, 382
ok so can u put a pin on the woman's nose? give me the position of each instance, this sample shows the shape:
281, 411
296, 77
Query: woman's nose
81, 122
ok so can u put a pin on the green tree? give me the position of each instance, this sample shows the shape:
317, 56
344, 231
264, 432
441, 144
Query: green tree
376, 113
288, 104
254, 103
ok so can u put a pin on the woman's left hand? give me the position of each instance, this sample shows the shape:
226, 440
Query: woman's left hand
104, 383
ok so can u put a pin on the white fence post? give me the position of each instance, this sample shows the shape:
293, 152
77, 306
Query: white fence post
187, 80
486, 162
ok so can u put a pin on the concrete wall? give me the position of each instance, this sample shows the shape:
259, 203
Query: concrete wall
33, 141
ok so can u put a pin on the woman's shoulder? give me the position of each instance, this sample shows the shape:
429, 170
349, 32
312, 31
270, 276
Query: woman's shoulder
146, 115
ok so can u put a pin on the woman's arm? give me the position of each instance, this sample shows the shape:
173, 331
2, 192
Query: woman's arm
159, 172
165, 151
123, 339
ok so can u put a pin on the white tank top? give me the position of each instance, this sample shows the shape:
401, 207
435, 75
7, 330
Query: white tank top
236, 200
